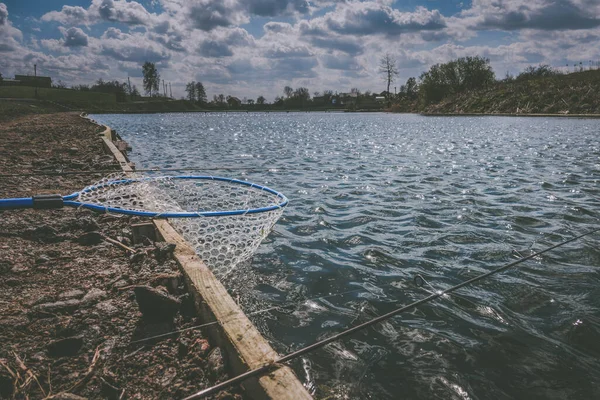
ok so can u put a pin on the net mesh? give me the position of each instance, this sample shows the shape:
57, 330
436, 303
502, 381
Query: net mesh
221, 241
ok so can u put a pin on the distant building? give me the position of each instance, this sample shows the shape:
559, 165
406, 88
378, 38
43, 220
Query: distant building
37, 81
380, 98
234, 101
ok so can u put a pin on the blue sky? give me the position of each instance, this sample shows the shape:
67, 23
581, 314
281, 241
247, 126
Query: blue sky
249, 48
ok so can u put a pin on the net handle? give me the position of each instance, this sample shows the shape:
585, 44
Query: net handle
71, 200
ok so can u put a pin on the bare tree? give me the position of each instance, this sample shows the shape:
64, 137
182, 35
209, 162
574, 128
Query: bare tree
288, 91
387, 67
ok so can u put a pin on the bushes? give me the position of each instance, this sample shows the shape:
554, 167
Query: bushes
443, 80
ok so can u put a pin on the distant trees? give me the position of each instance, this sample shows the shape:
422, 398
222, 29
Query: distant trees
115, 87
195, 91
200, 93
1, 79
541, 71
411, 88
288, 91
465, 73
190, 89
302, 94
387, 67
260, 100
59, 85
151, 78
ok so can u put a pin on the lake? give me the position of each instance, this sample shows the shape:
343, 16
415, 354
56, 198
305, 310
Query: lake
376, 199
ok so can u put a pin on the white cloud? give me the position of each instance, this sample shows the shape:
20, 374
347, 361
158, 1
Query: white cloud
74, 37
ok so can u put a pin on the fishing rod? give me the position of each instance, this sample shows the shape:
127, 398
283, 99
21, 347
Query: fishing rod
275, 364
108, 171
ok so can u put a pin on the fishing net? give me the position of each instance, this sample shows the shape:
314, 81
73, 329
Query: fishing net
223, 219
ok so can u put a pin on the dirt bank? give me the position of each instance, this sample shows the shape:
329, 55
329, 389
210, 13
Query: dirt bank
69, 318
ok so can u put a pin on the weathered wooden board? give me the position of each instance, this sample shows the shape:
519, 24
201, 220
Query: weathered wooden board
245, 346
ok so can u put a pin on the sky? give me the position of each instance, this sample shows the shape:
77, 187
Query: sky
248, 48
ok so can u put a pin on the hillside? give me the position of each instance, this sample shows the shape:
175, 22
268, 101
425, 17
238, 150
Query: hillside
575, 93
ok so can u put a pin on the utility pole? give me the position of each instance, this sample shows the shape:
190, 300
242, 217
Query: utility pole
170, 89
35, 79
129, 85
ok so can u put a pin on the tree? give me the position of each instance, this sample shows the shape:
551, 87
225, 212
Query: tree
260, 100
411, 88
250, 102
288, 91
466, 73
134, 92
302, 93
221, 98
541, 71
200, 92
151, 77
387, 67
190, 89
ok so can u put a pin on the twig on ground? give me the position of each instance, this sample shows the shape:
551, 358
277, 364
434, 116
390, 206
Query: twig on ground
117, 243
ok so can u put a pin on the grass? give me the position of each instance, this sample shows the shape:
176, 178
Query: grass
15, 108
70, 98
575, 93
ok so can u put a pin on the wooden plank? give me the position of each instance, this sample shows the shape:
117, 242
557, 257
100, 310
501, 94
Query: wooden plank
111, 148
244, 345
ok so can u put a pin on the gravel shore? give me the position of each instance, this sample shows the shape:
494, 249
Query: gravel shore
70, 300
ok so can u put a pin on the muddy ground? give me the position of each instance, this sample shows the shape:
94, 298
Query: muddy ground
70, 320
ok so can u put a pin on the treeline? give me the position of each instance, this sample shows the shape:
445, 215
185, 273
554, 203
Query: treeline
125, 90
120, 89
195, 92
463, 75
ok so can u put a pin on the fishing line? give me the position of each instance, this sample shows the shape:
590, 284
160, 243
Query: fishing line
262, 311
274, 364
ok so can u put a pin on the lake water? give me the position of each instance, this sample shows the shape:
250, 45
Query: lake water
376, 199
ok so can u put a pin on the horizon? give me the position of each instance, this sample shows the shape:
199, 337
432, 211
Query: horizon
251, 48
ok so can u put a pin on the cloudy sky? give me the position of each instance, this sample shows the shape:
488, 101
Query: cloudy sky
249, 48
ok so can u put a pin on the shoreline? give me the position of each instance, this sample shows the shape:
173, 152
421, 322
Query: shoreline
68, 290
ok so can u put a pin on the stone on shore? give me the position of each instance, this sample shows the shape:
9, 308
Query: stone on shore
156, 305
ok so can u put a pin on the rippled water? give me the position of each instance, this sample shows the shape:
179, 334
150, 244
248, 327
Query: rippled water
377, 199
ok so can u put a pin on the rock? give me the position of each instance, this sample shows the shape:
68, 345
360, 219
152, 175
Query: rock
42, 259
19, 268
168, 377
121, 283
44, 234
137, 257
164, 250
93, 296
65, 347
90, 238
12, 282
216, 364
59, 307
156, 305
107, 308
14, 322
5, 266
71, 294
